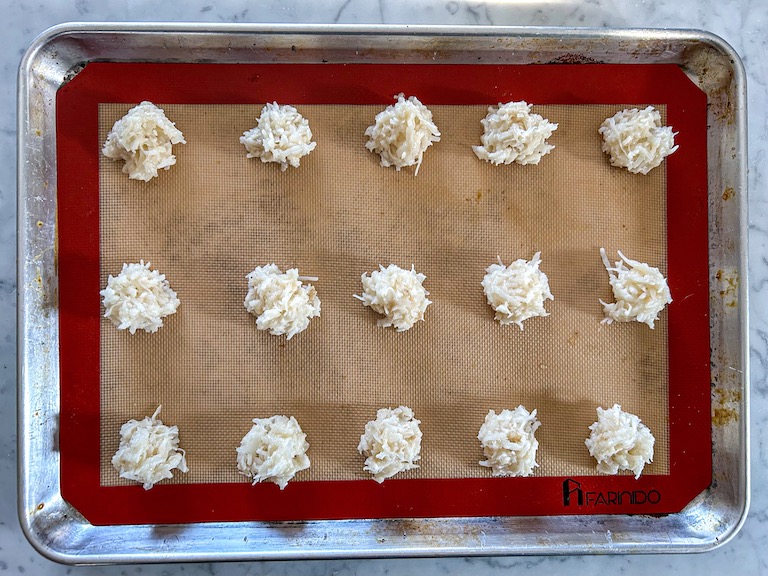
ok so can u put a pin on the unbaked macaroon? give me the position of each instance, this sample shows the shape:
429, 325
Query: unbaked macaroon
281, 135
138, 298
144, 139
273, 450
620, 441
391, 443
402, 132
509, 442
512, 134
640, 290
149, 451
397, 294
518, 291
281, 302
636, 140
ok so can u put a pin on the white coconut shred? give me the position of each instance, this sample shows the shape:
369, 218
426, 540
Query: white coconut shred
518, 291
149, 451
273, 450
281, 302
636, 140
281, 135
397, 294
512, 134
641, 291
620, 441
144, 139
138, 298
391, 443
402, 132
509, 443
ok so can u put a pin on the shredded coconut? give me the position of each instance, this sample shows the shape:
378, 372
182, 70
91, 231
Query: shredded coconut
402, 133
512, 134
508, 442
397, 294
144, 139
619, 441
641, 292
149, 451
281, 135
518, 291
273, 450
391, 443
636, 140
138, 298
281, 303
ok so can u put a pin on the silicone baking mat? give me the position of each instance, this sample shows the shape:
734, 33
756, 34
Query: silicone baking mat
208, 222
215, 215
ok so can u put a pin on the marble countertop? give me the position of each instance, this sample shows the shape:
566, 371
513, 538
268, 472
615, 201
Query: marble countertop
743, 23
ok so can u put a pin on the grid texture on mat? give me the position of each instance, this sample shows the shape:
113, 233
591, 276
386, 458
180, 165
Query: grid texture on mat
209, 220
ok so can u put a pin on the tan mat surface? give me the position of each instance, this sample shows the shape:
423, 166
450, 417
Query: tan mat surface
216, 215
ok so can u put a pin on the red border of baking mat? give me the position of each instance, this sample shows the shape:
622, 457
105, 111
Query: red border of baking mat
80, 307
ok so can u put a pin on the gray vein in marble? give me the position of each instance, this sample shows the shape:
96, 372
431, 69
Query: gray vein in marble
343, 7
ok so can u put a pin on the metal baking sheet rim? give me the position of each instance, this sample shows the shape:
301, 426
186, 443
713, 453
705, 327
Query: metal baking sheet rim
60, 533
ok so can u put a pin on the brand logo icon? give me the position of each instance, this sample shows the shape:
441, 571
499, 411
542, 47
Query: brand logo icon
575, 495
571, 487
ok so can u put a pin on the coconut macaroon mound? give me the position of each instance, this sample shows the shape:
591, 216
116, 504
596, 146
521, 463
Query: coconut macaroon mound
508, 442
391, 443
402, 132
273, 450
640, 290
397, 294
512, 134
620, 441
518, 291
144, 139
281, 135
636, 140
281, 302
149, 451
138, 298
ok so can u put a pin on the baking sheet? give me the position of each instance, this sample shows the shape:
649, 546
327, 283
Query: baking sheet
216, 214
56, 328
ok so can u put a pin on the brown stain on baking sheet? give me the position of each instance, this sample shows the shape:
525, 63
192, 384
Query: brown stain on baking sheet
728, 287
723, 411
713, 69
723, 416
723, 107
725, 396
444, 533
713, 72
728, 193
574, 59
